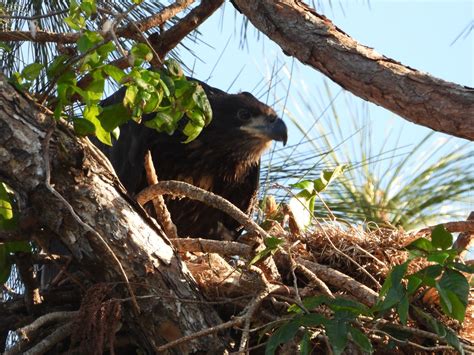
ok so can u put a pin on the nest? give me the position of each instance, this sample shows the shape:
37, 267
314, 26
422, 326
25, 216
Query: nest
364, 257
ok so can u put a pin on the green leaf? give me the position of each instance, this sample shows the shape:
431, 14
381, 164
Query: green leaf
312, 320
202, 102
453, 289
463, 267
413, 283
309, 303
163, 122
273, 242
7, 218
304, 185
394, 277
441, 238
5, 47
91, 114
260, 255
432, 323
167, 84
453, 340
337, 332
5, 264
191, 130
354, 307
429, 274
153, 102
32, 71
327, 176
115, 73
439, 328
94, 91
57, 66
173, 67
282, 335
141, 52
130, 96
83, 127
438, 257
89, 7
112, 116
361, 340
88, 40
421, 244
402, 309
75, 22
305, 344
105, 50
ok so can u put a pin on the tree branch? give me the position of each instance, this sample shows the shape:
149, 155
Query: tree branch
180, 188
316, 41
165, 42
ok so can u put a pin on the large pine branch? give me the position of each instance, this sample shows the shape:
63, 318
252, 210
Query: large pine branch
317, 42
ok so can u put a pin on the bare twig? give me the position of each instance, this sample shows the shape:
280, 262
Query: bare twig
162, 213
232, 323
453, 227
337, 278
27, 330
418, 333
166, 41
222, 247
25, 266
180, 188
40, 36
465, 239
315, 280
253, 306
47, 343
35, 17
128, 31
133, 29
27, 333
293, 266
429, 349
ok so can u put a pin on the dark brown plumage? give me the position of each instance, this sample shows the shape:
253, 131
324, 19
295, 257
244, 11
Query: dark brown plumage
224, 159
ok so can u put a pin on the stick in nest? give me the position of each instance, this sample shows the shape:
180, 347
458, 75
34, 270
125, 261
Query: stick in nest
162, 213
180, 188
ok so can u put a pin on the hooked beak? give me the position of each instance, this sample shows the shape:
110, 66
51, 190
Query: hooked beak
268, 127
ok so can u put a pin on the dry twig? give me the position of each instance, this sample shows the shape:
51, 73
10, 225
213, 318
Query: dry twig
180, 188
222, 247
162, 213
336, 278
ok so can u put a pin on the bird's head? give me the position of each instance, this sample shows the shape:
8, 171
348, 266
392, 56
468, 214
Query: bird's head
241, 117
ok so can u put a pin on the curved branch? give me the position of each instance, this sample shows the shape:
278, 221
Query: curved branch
316, 41
179, 188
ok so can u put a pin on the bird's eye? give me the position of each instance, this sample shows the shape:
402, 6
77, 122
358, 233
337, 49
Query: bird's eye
243, 115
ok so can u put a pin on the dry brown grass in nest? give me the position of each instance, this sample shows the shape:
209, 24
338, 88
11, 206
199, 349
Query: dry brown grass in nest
376, 251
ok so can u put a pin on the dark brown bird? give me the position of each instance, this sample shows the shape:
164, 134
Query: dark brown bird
224, 159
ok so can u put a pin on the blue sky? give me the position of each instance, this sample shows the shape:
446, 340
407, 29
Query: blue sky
420, 34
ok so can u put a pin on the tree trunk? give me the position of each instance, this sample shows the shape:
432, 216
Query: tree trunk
107, 233
316, 41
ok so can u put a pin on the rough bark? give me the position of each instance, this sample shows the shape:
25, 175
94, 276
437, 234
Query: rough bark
317, 42
80, 173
